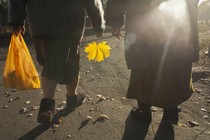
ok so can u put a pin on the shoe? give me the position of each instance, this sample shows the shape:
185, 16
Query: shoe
46, 110
143, 116
171, 116
74, 101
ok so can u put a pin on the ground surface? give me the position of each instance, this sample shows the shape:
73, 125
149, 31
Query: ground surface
110, 79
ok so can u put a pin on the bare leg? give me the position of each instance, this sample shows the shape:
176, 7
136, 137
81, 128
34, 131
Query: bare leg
71, 88
73, 100
48, 87
47, 104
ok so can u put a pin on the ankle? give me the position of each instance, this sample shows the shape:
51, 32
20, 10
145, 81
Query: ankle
142, 116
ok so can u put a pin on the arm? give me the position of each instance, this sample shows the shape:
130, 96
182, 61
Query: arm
115, 12
17, 14
193, 13
96, 14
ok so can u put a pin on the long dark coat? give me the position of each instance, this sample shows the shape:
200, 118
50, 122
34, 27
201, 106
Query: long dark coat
161, 42
56, 18
154, 34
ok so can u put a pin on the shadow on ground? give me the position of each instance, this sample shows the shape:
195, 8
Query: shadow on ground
38, 130
164, 132
136, 130
35, 132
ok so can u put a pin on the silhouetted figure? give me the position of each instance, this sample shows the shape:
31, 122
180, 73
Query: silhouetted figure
57, 27
161, 42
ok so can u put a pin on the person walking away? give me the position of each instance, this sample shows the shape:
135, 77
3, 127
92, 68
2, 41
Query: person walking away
161, 42
57, 28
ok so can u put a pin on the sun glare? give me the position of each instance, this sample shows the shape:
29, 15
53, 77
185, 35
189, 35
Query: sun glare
175, 18
173, 7
200, 1
163, 5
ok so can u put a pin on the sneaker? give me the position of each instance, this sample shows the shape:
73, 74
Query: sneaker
46, 110
171, 116
143, 116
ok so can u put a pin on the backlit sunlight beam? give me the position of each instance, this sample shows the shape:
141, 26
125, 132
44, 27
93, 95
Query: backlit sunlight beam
176, 19
175, 9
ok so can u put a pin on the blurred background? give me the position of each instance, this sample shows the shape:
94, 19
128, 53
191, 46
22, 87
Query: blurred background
4, 28
203, 16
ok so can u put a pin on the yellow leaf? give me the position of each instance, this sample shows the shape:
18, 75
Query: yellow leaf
181, 125
97, 52
91, 49
105, 49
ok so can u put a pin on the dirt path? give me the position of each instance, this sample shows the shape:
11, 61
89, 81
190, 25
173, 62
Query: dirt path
108, 79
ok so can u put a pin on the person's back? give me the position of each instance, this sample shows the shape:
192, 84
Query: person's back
160, 25
55, 18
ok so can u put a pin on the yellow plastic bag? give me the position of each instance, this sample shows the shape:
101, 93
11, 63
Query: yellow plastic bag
19, 70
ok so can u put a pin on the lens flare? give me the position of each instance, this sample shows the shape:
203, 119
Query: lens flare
163, 5
177, 8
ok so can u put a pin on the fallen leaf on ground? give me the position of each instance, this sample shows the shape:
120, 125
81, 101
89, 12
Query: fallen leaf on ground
14, 90
55, 126
89, 118
102, 117
181, 124
203, 109
193, 123
30, 115
33, 107
8, 94
205, 116
90, 99
24, 110
41, 91
59, 108
27, 102
10, 100
5, 107
123, 98
198, 90
112, 99
62, 103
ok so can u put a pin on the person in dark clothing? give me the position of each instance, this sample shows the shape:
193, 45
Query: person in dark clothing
3, 15
161, 42
57, 28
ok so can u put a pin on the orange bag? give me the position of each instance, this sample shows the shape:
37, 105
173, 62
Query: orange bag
19, 70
